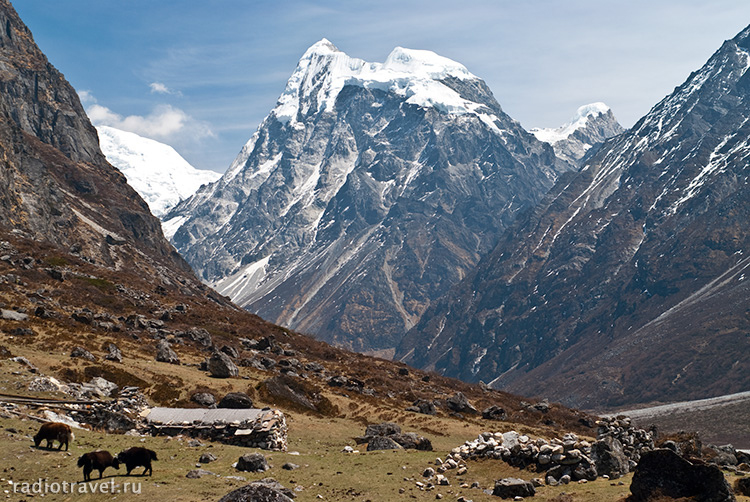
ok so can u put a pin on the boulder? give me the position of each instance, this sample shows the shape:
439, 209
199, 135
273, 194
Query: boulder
742, 486
199, 336
220, 365
198, 473
423, 406
412, 440
256, 492
204, 399
513, 487
460, 404
663, 472
82, 353
165, 354
236, 401
252, 462
230, 351
494, 412
383, 443
295, 393
113, 353
12, 315
207, 458
382, 429
609, 456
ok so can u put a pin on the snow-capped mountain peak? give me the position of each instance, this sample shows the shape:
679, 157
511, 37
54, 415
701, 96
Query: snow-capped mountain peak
577, 139
577, 121
324, 70
425, 64
156, 171
362, 174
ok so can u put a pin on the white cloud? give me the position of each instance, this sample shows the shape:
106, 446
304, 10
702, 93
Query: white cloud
164, 123
160, 88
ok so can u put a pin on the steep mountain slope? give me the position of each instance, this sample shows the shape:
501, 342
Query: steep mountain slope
366, 193
155, 170
55, 184
88, 288
582, 136
628, 282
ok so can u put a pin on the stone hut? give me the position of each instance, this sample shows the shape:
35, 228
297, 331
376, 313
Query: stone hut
255, 428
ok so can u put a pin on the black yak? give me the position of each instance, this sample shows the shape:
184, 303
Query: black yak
54, 431
98, 460
137, 456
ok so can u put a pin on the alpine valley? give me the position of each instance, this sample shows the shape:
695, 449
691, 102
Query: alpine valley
627, 284
375, 198
368, 192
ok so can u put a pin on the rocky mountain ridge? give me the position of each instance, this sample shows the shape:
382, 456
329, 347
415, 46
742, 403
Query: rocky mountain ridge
155, 170
367, 192
626, 284
55, 183
578, 139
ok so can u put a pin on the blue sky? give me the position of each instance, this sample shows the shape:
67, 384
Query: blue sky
201, 75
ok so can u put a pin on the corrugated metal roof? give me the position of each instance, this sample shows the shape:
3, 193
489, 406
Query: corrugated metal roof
190, 416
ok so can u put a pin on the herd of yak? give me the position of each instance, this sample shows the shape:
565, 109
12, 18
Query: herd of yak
95, 460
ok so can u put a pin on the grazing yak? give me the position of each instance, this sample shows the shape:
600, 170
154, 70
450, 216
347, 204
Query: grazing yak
137, 456
54, 431
98, 460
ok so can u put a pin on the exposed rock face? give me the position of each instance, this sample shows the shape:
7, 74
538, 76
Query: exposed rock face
55, 184
618, 282
368, 191
580, 138
663, 472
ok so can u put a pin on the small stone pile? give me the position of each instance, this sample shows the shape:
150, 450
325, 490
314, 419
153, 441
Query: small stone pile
633, 441
120, 414
617, 450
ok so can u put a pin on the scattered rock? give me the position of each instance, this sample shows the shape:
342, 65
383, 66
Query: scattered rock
82, 353
12, 315
513, 487
383, 443
236, 401
290, 466
220, 365
460, 404
113, 353
265, 490
494, 412
665, 473
610, 458
204, 399
423, 406
382, 429
230, 351
252, 462
296, 393
198, 473
412, 440
165, 354
742, 486
207, 458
